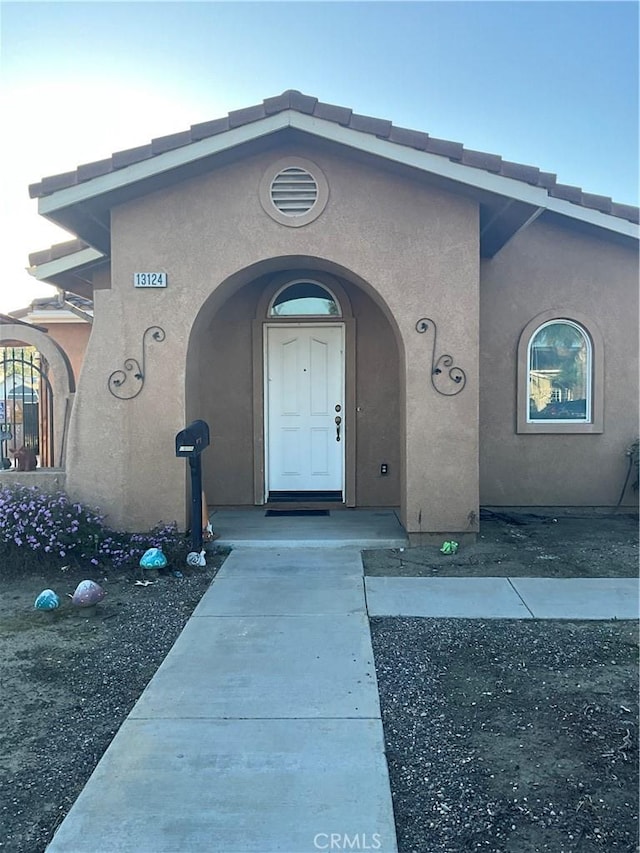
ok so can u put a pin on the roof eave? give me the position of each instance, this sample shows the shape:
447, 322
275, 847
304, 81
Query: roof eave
535, 196
67, 263
70, 271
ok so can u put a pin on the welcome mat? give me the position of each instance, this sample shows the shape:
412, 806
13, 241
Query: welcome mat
296, 512
304, 497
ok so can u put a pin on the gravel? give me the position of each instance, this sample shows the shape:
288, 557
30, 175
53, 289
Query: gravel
510, 736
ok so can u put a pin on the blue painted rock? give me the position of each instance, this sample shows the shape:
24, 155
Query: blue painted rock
87, 594
153, 559
47, 600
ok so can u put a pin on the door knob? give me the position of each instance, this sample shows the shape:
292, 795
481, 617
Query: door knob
338, 420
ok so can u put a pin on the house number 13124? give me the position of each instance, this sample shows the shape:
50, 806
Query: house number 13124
149, 279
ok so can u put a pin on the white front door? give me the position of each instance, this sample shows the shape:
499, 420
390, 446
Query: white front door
304, 398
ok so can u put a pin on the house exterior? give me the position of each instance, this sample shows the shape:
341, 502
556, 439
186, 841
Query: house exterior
67, 319
35, 395
362, 314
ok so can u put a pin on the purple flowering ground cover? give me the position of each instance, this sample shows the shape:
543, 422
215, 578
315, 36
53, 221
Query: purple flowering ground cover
37, 527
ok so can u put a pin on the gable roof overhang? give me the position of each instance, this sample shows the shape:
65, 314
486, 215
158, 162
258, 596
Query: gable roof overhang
68, 266
510, 196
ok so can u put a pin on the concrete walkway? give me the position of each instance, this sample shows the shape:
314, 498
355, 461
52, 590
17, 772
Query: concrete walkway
261, 730
504, 598
250, 527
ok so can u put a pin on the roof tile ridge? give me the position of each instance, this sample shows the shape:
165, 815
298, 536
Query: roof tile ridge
293, 99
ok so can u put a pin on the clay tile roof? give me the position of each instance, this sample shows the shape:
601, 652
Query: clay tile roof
209, 128
330, 112
290, 100
625, 211
410, 138
53, 183
567, 193
246, 115
57, 302
168, 143
59, 250
547, 179
94, 170
598, 202
375, 126
132, 155
452, 150
481, 160
528, 174
294, 100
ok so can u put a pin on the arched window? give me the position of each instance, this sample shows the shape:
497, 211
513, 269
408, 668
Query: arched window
559, 374
304, 299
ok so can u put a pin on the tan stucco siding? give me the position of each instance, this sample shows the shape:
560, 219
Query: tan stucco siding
415, 251
225, 400
377, 405
121, 453
546, 268
73, 339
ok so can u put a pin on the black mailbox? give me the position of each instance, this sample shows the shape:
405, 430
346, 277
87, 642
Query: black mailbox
192, 440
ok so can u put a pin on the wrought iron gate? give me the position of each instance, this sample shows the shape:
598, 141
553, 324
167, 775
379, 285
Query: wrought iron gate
26, 406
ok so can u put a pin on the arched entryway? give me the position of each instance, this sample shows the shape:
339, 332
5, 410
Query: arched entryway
297, 373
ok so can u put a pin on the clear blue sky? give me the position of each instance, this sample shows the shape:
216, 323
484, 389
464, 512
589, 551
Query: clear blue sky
551, 84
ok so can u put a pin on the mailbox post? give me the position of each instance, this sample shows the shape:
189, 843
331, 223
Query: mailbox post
190, 442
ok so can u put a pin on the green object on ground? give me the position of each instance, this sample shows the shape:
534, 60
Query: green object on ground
449, 547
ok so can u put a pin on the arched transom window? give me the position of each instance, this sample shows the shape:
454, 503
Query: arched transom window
559, 374
304, 299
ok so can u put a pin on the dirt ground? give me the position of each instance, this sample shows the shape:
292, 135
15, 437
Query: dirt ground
68, 683
526, 544
501, 736
510, 736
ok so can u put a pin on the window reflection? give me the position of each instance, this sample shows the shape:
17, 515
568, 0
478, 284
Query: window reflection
559, 373
304, 299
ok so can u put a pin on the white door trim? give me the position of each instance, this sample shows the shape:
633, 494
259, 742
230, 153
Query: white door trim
265, 361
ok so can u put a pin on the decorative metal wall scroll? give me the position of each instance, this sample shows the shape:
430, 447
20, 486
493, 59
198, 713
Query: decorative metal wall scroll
132, 369
439, 379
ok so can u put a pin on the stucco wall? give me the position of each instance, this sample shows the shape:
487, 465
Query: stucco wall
73, 338
546, 267
46, 479
415, 251
225, 393
377, 405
